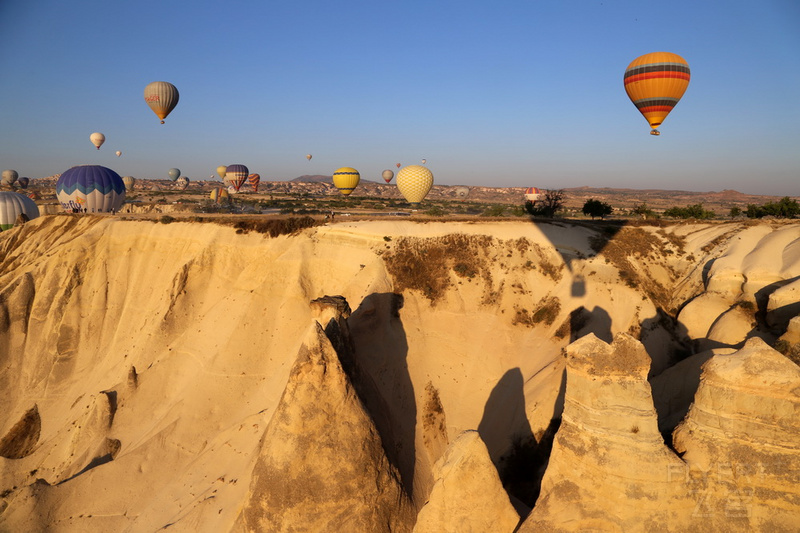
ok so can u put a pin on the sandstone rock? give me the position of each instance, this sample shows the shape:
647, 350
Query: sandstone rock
467, 496
609, 469
699, 315
731, 328
322, 466
740, 441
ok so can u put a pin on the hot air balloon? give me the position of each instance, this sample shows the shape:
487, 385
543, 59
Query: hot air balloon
655, 83
23, 182
424, 161
183, 182
387, 175
162, 97
97, 139
221, 171
219, 194
254, 180
174, 173
95, 188
129, 182
462, 192
346, 180
9, 177
308, 156
414, 183
534, 194
398, 165
118, 152
235, 176
12, 205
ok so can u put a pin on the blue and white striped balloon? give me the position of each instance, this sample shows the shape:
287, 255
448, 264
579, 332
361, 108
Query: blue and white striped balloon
93, 188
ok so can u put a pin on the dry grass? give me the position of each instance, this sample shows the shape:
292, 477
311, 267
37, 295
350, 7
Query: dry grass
276, 226
425, 265
628, 250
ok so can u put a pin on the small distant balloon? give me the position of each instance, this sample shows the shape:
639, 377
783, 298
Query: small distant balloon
162, 97
424, 161
174, 173
235, 176
398, 165
308, 156
129, 182
119, 153
97, 139
346, 180
183, 182
534, 194
9, 177
254, 180
23, 182
462, 192
387, 175
221, 171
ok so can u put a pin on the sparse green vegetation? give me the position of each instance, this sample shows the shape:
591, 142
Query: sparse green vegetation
785, 208
696, 211
596, 208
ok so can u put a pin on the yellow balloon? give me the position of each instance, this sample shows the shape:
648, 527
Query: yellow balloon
414, 183
222, 170
655, 83
346, 180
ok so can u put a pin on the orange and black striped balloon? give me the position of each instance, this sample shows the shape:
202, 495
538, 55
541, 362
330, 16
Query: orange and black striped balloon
655, 83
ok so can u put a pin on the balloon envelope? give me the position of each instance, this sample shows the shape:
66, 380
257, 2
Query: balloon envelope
308, 156
162, 97
183, 182
254, 180
12, 205
346, 179
97, 139
221, 171
387, 175
414, 183
9, 177
174, 173
534, 194
129, 182
218, 194
398, 165
235, 176
23, 182
95, 188
119, 153
462, 192
655, 83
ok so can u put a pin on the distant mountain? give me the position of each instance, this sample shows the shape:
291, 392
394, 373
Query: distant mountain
313, 178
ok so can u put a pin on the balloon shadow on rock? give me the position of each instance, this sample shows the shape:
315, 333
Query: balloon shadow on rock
379, 372
520, 456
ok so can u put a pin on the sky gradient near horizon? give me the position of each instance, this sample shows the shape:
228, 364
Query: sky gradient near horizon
504, 93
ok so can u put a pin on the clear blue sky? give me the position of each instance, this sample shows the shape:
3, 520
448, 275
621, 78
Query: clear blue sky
501, 93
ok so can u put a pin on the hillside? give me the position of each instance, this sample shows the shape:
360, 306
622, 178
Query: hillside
397, 376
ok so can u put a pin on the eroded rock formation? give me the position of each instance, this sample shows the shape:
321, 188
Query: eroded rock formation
322, 466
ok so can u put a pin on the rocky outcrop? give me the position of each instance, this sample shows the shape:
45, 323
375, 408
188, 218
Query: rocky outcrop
467, 496
609, 469
322, 466
740, 441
